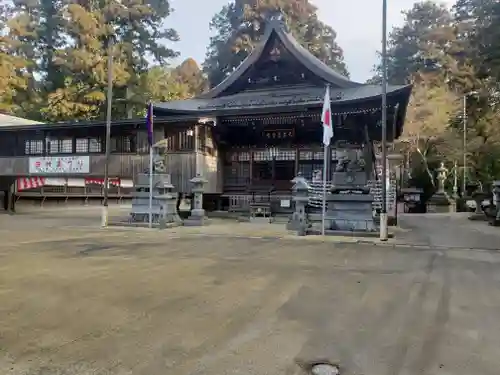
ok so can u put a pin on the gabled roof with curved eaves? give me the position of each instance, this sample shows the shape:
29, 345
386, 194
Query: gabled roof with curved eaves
306, 58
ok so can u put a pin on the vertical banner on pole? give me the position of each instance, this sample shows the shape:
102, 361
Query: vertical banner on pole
326, 119
149, 126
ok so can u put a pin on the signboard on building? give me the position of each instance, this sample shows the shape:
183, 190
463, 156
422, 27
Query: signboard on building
59, 165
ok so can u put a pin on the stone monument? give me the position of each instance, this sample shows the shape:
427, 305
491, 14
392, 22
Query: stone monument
440, 202
495, 221
164, 211
299, 221
350, 204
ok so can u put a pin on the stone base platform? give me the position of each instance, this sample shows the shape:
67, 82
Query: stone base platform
129, 224
478, 217
343, 233
196, 222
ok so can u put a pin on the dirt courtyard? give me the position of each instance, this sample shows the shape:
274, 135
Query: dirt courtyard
75, 299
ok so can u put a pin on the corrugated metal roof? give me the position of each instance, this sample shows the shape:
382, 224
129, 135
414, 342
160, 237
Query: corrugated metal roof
9, 121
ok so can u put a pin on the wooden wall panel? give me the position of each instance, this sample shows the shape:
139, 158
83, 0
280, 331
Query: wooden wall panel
181, 166
209, 168
13, 166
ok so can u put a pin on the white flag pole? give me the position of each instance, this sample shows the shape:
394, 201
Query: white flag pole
151, 186
323, 216
326, 120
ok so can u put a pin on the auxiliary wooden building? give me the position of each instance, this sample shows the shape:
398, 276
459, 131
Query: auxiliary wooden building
250, 134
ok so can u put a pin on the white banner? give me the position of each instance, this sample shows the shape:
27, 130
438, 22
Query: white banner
59, 165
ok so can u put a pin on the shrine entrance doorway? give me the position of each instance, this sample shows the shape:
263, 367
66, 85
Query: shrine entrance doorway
274, 168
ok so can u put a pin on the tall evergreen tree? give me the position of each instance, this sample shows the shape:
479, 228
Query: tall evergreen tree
20, 35
480, 22
134, 29
139, 27
427, 25
240, 25
189, 73
13, 75
83, 66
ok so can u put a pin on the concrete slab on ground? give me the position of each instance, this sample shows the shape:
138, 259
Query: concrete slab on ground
449, 231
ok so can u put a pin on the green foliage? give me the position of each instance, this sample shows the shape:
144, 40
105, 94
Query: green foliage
189, 73
455, 53
54, 55
12, 77
240, 25
161, 85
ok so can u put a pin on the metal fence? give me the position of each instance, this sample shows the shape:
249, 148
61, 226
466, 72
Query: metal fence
316, 194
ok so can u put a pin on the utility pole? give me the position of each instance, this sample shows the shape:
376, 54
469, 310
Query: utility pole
464, 181
384, 232
109, 98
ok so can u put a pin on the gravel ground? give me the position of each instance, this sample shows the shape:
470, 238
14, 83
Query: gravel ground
75, 299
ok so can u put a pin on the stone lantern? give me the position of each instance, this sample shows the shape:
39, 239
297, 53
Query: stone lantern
300, 191
197, 217
496, 191
440, 202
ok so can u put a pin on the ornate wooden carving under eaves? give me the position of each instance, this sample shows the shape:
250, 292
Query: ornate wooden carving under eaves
275, 54
275, 99
263, 100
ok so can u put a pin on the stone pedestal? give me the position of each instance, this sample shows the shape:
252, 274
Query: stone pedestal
411, 198
479, 197
164, 213
496, 191
350, 212
168, 210
440, 202
350, 204
197, 217
299, 221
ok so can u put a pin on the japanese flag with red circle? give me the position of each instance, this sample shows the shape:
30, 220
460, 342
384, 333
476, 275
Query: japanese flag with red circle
326, 118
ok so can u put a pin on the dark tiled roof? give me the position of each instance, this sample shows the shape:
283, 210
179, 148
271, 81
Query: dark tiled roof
300, 53
343, 90
307, 96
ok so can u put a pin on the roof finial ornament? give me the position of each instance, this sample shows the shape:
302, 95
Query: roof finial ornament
276, 18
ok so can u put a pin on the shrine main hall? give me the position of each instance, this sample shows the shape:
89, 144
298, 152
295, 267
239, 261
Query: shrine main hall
254, 132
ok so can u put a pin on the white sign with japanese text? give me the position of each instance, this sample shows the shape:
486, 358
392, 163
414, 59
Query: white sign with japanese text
59, 165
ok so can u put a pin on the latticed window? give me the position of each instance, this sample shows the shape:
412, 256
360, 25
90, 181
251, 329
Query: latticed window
82, 146
169, 143
262, 156
95, 145
286, 155
33, 147
60, 146
244, 156
308, 169
186, 140
306, 155
121, 144
318, 155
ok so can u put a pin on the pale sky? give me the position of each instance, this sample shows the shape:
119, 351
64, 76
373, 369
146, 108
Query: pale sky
357, 23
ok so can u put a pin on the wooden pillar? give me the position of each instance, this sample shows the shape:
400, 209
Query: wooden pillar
11, 201
6, 200
196, 149
297, 160
251, 167
45, 145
